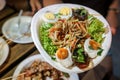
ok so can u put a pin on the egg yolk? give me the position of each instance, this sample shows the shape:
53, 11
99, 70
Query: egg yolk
95, 45
64, 11
49, 16
62, 53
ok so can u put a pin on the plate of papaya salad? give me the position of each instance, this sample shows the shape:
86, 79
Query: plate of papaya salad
72, 38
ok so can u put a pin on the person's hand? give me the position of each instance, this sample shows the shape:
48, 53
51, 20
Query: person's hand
113, 30
112, 19
35, 5
2, 4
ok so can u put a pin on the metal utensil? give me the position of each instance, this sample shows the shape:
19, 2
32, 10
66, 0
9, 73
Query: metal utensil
19, 17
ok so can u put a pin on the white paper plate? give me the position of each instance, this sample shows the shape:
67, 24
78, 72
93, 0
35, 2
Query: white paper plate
29, 61
35, 35
10, 29
4, 51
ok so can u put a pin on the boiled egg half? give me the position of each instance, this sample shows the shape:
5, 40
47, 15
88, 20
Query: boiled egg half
65, 12
63, 56
91, 48
49, 17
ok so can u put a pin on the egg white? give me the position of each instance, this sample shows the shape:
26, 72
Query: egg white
67, 62
91, 53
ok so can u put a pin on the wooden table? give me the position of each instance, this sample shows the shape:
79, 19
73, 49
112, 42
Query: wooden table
19, 52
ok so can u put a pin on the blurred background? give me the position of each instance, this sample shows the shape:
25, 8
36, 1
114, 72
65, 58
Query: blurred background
115, 50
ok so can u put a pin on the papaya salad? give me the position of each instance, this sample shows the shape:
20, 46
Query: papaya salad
72, 36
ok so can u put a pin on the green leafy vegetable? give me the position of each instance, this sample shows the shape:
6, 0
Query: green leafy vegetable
66, 74
96, 29
80, 56
90, 47
53, 58
45, 40
58, 15
99, 52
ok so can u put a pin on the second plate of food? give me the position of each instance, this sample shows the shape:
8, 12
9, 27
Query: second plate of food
36, 68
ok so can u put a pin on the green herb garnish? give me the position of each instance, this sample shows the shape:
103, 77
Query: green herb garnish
100, 51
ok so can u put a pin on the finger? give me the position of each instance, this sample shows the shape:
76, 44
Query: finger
113, 30
28, 13
32, 6
38, 5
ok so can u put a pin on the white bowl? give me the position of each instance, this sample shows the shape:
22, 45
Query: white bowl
27, 62
36, 39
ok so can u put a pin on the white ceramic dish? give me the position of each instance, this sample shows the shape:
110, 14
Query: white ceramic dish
4, 51
29, 61
10, 29
35, 35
